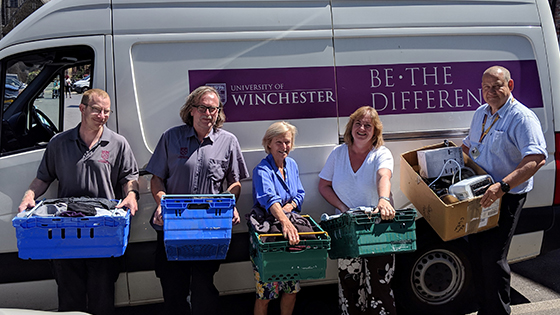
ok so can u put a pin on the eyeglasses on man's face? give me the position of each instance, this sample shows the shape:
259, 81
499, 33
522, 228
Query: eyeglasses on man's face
96, 110
202, 109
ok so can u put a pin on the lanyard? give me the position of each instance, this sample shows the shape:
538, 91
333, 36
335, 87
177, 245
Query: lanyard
485, 132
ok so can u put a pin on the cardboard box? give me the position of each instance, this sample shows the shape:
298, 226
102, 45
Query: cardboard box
450, 221
434, 162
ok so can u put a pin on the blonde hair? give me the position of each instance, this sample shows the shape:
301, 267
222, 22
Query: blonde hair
194, 99
377, 139
276, 129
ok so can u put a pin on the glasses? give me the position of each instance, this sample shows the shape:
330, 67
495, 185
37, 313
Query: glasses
96, 110
202, 109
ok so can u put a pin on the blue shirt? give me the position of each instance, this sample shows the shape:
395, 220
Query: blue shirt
516, 134
269, 187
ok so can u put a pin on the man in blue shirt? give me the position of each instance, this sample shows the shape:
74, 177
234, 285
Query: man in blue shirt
507, 141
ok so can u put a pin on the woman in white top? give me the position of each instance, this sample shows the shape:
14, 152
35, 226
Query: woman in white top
358, 173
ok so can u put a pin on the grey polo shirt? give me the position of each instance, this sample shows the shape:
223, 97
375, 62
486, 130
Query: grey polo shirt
97, 172
190, 167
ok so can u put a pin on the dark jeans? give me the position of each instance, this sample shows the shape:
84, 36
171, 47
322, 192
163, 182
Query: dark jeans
178, 278
86, 285
490, 267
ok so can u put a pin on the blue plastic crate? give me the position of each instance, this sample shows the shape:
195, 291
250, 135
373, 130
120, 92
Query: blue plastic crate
71, 237
197, 227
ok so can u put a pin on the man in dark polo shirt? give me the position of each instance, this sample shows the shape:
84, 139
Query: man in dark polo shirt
89, 160
198, 157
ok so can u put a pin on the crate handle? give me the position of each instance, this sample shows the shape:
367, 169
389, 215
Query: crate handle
198, 206
296, 248
299, 233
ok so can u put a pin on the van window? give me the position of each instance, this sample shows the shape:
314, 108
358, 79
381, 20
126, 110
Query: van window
38, 102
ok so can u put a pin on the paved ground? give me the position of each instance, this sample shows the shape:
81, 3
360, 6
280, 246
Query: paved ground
311, 300
535, 291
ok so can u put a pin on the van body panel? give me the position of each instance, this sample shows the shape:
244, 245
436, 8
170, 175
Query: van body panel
145, 17
311, 63
431, 13
23, 166
92, 17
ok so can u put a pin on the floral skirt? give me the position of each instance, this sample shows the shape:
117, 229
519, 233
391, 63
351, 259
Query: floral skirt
273, 290
364, 285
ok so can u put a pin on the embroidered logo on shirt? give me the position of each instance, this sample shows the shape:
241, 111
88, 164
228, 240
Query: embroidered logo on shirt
184, 153
104, 157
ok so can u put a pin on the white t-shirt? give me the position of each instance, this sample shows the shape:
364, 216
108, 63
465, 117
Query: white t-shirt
360, 188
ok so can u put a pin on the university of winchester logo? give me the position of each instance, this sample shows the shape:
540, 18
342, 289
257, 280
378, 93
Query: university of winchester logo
222, 91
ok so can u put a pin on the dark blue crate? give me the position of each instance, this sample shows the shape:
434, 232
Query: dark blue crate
68, 237
197, 227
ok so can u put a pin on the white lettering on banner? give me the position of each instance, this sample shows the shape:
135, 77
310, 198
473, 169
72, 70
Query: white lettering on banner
255, 87
428, 99
445, 96
283, 97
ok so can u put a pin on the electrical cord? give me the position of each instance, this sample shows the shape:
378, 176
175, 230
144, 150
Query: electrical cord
443, 169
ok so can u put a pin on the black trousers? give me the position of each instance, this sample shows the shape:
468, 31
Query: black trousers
86, 285
491, 270
179, 278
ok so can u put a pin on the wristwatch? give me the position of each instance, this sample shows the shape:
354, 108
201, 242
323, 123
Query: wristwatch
504, 186
386, 198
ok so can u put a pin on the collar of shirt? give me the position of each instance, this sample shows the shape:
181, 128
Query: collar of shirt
270, 160
75, 135
191, 132
502, 111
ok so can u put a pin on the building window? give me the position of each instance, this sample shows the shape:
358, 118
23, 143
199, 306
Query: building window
13, 4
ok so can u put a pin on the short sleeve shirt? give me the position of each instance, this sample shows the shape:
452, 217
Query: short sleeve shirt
97, 172
358, 188
516, 134
269, 187
189, 166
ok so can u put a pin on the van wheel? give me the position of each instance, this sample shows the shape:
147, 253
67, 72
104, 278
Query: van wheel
436, 279
85, 88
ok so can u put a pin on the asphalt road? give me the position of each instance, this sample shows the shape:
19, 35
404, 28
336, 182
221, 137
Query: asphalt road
535, 291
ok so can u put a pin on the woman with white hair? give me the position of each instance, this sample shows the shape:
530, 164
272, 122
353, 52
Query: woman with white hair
278, 190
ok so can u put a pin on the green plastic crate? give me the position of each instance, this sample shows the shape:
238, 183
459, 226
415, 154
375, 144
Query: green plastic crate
276, 261
362, 235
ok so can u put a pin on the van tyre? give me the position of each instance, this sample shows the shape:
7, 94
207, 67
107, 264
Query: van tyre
436, 279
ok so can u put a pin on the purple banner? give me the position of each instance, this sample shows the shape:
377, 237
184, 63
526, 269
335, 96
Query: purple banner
271, 94
292, 93
430, 87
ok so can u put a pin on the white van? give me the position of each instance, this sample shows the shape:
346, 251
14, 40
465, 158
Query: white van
310, 62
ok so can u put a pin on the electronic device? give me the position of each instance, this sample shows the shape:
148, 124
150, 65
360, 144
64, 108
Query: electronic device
471, 187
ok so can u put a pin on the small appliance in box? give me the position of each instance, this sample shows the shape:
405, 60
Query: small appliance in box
197, 227
471, 187
450, 221
444, 161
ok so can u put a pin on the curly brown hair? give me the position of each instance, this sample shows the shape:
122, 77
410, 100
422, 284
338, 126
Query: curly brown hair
194, 99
